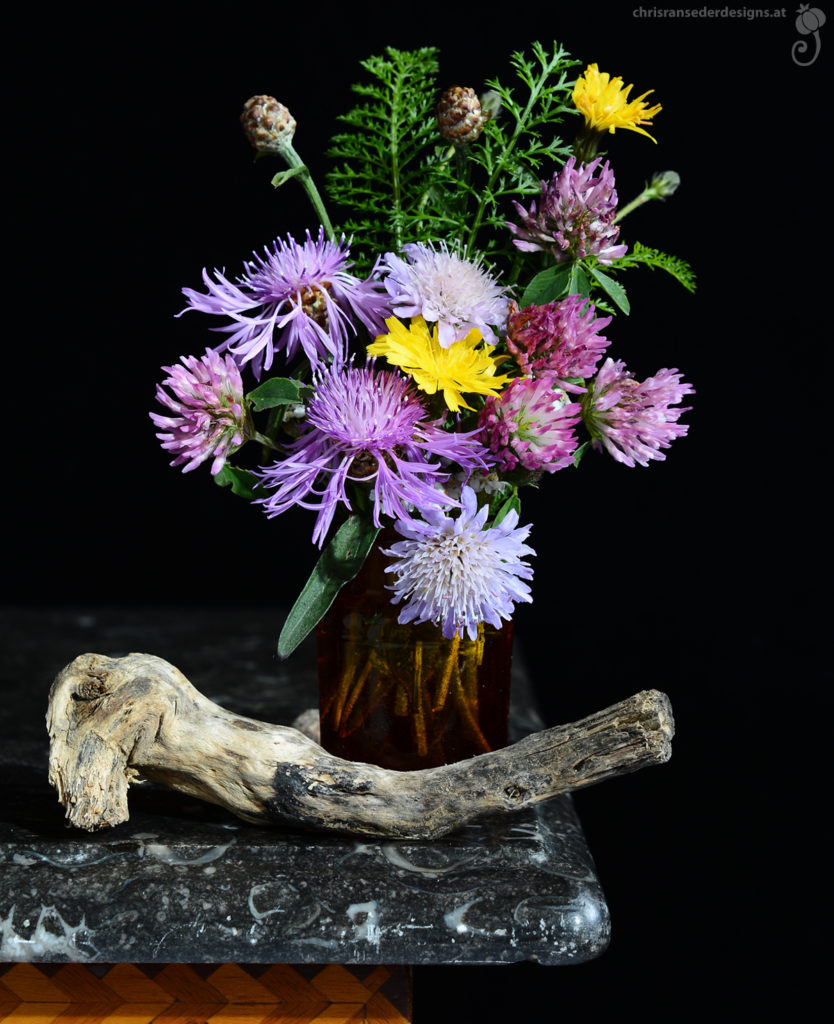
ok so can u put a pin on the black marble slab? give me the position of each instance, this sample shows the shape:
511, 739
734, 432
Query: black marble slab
183, 881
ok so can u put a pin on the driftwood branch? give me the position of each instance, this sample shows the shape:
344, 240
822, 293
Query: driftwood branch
113, 720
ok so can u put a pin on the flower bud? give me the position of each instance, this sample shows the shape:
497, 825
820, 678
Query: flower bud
491, 103
665, 183
460, 118
267, 124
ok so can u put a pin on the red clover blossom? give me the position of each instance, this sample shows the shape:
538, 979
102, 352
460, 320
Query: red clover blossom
210, 418
575, 216
631, 419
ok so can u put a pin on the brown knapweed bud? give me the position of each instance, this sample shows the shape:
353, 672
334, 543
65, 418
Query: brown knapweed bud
460, 118
267, 124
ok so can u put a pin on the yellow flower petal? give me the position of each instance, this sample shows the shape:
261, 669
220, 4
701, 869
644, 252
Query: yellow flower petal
466, 366
604, 103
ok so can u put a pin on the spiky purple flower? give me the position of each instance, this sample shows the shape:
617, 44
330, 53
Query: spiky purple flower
531, 424
631, 419
367, 426
294, 297
575, 216
454, 571
559, 340
210, 417
456, 293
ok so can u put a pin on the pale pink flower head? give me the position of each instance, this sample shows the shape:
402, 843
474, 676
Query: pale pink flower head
531, 425
457, 293
559, 340
633, 420
208, 417
574, 217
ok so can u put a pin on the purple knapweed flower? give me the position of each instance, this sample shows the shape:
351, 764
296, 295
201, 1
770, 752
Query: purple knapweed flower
456, 293
294, 297
531, 424
575, 216
631, 419
209, 417
368, 426
559, 340
454, 571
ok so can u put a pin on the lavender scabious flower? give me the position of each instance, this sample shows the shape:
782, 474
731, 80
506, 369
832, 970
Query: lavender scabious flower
531, 424
368, 426
210, 417
456, 293
633, 420
296, 296
559, 340
454, 572
575, 218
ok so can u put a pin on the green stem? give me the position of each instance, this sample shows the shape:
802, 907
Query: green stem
293, 161
451, 661
661, 186
586, 144
520, 127
644, 197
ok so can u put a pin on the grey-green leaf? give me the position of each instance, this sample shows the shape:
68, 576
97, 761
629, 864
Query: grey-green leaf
338, 563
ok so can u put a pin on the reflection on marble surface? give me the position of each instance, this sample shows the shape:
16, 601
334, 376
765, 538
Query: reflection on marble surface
183, 881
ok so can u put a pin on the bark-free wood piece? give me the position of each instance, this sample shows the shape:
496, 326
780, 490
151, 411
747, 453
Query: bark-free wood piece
114, 720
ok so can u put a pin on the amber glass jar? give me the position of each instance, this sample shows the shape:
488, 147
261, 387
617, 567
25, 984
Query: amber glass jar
403, 696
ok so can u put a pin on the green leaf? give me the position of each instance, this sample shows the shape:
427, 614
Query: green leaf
512, 503
275, 391
340, 561
612, 288
547, 286
282, 177
642, 254
578, 284
580, 451
242, 481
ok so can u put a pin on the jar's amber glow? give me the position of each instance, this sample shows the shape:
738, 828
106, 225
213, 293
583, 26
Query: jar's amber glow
403, 696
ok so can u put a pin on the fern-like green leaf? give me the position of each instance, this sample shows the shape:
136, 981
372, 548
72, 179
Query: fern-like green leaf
379, 177
519, 146
399, 182
643, 255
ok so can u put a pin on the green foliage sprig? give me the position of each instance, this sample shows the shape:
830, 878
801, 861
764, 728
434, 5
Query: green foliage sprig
399, 180
380, 176
640, 254
518, 144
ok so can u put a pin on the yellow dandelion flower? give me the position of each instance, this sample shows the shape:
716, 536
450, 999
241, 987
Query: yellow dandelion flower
466, 366
605, 104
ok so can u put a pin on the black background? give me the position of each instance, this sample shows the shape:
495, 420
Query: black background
129, 174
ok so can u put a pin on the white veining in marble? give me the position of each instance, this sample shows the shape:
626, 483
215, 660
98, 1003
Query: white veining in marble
278, 893
45, 941
393, 856
365, 920
165, 854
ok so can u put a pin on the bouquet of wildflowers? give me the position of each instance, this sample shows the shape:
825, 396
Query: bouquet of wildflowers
442, 349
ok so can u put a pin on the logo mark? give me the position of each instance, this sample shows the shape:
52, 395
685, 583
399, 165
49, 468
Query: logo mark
809, 21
